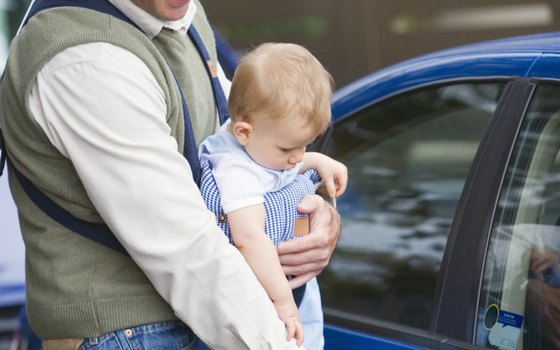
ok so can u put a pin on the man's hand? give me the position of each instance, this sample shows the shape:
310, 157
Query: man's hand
307, 256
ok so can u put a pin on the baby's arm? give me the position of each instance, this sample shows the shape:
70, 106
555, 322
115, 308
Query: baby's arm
333, 173
247, 230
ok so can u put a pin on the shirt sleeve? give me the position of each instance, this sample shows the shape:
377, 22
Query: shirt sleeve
102, 108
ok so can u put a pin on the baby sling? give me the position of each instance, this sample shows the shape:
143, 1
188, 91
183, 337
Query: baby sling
101, 233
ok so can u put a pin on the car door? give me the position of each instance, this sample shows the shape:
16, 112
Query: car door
519, 303
409, 158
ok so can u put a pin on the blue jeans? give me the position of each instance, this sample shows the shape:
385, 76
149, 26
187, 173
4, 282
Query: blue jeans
172, 335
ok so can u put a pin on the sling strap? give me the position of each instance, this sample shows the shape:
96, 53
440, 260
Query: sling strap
219, 96
101, 233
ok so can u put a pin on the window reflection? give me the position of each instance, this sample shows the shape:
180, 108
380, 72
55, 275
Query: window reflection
408, 158
522, 274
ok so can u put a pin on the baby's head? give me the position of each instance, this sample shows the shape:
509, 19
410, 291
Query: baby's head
280, 98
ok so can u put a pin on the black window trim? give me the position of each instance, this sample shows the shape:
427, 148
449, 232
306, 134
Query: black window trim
466, 252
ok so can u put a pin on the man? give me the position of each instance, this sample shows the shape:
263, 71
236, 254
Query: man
92, 116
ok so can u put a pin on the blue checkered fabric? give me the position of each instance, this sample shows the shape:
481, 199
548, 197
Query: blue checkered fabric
280, 206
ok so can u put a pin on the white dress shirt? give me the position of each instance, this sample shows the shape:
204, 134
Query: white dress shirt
101, 107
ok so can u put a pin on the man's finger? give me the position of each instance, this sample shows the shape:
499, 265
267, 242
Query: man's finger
310, 203
302, 244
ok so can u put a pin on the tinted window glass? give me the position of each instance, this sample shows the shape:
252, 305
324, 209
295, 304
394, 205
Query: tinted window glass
408, 158
520, 302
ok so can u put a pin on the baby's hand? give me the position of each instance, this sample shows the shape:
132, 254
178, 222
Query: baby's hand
335, 177
333, 173
288, 313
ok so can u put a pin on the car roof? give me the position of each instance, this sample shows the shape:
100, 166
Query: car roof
535, 43
495, 59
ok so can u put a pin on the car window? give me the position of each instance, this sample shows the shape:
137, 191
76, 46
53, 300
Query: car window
520, 300
408, 159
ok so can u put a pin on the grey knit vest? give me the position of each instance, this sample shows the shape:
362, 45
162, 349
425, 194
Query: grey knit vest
77, 288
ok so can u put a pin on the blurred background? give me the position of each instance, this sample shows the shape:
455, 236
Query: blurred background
355, 37
351, 38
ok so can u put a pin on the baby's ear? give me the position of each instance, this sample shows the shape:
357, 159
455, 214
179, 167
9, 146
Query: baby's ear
242, 132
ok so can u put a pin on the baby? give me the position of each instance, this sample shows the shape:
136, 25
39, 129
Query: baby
279, 103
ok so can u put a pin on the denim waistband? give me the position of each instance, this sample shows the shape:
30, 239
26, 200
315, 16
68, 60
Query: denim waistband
159, 335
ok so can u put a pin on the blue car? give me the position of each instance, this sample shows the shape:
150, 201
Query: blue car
451, 230
451, 222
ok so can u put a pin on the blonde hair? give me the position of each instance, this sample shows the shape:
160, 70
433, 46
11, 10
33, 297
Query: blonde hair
281, 80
